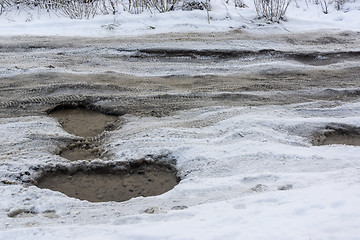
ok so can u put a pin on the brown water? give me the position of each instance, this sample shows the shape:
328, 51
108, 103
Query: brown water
83, 122
101, 186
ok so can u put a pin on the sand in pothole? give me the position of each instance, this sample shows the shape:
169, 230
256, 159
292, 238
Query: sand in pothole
346, 136
83, 122
100, 186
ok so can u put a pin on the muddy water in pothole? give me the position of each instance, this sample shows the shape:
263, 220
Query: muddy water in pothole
95, 186
78, 154
339, 138
83, 122
346, 135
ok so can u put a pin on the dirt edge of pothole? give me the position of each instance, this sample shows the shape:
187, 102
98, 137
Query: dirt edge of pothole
88, 104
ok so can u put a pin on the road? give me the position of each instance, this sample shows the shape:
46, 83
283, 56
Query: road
158, 75
235, 112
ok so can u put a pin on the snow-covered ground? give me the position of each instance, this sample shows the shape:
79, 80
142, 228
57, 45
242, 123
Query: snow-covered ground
251, 173
248, 172
302, 15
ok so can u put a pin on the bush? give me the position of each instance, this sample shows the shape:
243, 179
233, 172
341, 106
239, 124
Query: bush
79, 9
190, 5
240, 4
272, 10
138, 6
164, 5
325, 6
5, 4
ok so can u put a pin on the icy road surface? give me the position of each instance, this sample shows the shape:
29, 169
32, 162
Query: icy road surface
241, 116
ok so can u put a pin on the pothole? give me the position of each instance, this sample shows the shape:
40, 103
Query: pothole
340, 134
78, 154
81, 150
96, 183
78, 118
81, 121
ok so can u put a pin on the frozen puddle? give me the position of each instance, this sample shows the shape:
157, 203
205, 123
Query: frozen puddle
344, 134
104, 183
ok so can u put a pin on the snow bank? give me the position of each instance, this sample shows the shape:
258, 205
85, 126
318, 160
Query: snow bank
301, 15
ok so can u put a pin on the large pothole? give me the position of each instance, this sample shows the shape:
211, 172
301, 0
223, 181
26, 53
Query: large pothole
81, 121
116, 183
338, 134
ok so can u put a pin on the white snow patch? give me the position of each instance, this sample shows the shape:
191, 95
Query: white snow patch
301, 16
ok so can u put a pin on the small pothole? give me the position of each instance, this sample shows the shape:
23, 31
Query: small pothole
86, 121
96, 183
339, 134
78, 154
81, 121
81, 150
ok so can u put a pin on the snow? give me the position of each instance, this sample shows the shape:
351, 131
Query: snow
250, 174
315, 213
300, 16
247, 172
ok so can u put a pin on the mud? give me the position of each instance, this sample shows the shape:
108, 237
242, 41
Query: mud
76, 119
83, 122
85, 149
79, 154
103, 184
345, 135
